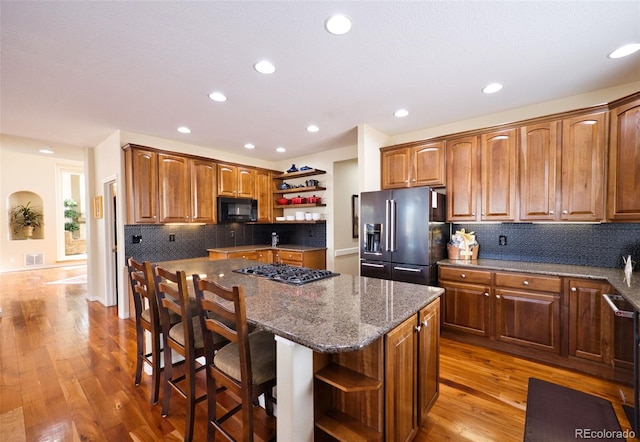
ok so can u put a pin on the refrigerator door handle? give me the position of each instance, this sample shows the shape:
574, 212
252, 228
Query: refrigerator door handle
387, 218
406, 269
392, 225
366, 264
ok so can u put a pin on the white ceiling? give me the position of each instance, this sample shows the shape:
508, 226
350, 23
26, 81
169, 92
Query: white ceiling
73, 72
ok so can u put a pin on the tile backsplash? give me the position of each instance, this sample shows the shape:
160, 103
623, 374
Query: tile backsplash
192, 241
598, 245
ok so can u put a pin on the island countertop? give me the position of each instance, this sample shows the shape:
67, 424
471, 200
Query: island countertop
337, 314
615, 277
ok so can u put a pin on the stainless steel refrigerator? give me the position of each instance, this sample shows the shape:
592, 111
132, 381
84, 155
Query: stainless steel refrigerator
403, 234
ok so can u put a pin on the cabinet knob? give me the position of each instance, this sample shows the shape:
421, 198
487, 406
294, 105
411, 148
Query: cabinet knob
484, 214
551, 212
486, 293
573, 289
473, 214
186, 217
497, 296
564, 212
525, 282
414, 180
463, 276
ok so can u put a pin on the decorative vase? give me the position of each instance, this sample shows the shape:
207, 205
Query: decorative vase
28, 231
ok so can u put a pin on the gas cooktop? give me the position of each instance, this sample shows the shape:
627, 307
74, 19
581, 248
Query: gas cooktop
286, 273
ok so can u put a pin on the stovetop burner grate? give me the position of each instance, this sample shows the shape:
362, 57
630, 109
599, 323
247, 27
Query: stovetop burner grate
286, 273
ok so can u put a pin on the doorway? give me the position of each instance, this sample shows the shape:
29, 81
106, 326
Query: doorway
111, 241
72, 230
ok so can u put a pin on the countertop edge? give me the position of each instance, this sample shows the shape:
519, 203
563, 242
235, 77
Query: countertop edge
290, 247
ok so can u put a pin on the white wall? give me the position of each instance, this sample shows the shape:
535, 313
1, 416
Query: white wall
346, 255
22, 168
325, 161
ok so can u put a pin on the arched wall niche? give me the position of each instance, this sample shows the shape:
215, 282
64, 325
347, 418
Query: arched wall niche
22, 198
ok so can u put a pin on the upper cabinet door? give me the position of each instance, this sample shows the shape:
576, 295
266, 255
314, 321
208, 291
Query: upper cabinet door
142, 186
396, 165
539, 147
227, 180
428, 165
462, 179
203, 191
624, 163
174, 188
246, 186
264, 195
498, 161
583, 164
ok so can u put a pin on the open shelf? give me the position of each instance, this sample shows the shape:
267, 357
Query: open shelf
347, 380
345, 428
299, 174
300, 189
293, 206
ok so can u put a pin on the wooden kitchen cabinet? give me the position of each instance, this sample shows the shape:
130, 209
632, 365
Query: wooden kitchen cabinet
174, 193
236, 181
583, 167
624, 160
411, 366
498, 173
539, 146
141, 167
203, 191
264, 195
527, 310
462, 179
466, 302
313, 259
428, 358
590, 320
413, 164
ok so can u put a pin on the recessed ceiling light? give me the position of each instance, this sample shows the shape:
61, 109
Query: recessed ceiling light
218, 96
338, 24
184, 130
492, 88
281, 149
46, 149
625, 50
401, 113
313, 128
264, 67
249, 146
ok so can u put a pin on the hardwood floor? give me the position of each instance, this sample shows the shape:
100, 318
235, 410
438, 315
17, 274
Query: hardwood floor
67, 370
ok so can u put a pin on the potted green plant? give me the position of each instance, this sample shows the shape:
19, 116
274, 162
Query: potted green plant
25, 218
71, 213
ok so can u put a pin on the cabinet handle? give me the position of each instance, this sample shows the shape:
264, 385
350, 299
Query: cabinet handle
525, 282
425, 323
418, 328
463, 276
497, 296
573, 289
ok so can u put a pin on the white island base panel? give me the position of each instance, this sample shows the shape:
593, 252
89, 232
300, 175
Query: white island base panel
294, 374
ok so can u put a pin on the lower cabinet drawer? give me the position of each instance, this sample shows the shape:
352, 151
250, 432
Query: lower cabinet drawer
524, 281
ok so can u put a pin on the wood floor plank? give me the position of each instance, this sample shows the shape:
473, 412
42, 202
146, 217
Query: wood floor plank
67, 373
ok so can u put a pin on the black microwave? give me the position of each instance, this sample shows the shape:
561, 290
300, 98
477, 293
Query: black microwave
237, 210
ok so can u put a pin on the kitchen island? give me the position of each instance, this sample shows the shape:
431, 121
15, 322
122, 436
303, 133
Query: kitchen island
343, 314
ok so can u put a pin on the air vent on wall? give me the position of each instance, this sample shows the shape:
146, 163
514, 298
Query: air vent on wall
33, 259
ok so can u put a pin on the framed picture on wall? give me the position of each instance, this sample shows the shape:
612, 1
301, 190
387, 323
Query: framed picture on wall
355, 216
97, 207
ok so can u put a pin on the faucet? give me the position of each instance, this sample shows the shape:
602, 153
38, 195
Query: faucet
274, 239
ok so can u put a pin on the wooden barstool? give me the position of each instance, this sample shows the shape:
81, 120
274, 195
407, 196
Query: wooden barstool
185, 338
147, 318
246, 366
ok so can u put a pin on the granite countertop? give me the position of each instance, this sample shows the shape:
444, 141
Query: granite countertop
292, 247
615, 277
338, 314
